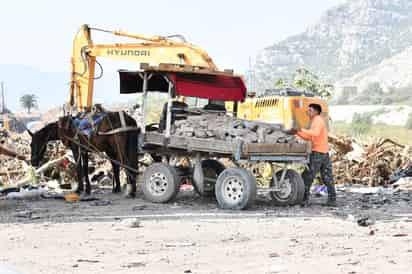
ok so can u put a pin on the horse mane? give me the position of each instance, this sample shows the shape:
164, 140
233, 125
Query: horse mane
48, 132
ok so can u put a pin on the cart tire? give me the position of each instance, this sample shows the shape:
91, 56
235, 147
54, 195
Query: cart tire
210, 169
160, 183
235, 189
293, 189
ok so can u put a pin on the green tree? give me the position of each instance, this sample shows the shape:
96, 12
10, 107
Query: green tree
281, 83
305, 80
28, 101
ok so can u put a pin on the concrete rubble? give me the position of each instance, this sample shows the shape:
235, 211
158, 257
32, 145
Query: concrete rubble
224, 127
12, 169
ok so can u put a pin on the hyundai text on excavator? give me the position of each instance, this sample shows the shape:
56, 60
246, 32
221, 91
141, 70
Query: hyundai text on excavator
147, 49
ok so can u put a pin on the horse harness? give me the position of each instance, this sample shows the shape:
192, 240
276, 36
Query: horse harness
122, 128
75, 138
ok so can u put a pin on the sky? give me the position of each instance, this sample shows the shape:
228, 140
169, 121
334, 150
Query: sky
39, 33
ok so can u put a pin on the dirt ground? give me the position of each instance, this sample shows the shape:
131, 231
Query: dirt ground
191, 235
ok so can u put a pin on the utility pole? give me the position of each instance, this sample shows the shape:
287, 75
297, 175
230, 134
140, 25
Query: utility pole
3, 104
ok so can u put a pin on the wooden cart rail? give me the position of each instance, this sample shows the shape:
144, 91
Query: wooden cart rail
235, 149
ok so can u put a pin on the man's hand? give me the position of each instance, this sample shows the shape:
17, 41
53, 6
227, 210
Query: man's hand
291, 131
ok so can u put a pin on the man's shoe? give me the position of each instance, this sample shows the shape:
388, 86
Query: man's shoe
305, 203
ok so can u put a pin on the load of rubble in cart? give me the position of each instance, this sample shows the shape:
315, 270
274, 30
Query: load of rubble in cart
180, 157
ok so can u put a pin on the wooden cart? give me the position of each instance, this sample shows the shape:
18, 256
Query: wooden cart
235, 187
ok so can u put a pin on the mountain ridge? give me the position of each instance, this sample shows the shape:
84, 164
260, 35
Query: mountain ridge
347, 39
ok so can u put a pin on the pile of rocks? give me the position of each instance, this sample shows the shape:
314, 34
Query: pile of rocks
224, 127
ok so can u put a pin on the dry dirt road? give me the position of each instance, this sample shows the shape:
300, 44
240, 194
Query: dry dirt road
115, 235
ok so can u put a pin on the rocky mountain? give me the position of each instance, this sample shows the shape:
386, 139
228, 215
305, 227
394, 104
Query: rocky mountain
347, 39
394, 72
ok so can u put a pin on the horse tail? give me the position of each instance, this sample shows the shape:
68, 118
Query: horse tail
132, 148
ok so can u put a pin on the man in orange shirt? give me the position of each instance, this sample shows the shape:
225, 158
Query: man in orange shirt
319, 158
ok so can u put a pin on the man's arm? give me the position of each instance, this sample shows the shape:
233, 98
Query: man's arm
304, 135
314, 131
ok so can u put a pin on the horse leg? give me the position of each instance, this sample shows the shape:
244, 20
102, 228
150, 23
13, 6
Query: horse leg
116, 178
131, 152
79, 171
85, 160
131, 182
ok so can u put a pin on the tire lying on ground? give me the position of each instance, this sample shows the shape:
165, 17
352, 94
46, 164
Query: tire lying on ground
160, 183
205, 176
292, 189
235, 189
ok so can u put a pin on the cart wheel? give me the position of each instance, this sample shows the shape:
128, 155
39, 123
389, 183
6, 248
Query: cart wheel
291, 190
205, 175
160, 183
235, 189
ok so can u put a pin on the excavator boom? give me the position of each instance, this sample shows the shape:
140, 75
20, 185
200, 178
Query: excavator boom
150, 49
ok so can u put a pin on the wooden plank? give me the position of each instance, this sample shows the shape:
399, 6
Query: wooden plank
211, 145
185, 69
178, 142
191, 143
226, 147
153, 138
274, 148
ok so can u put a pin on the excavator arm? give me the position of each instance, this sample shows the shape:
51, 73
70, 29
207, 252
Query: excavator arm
148, 49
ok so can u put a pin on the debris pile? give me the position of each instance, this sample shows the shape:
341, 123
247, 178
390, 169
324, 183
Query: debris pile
224, 127
371, 164
12, 169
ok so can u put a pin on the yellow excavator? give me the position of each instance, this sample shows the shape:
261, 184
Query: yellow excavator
153, 50
286, 107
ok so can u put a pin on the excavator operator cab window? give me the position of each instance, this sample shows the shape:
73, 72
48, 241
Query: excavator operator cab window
215, 106
205, 104
195, 102
179, 112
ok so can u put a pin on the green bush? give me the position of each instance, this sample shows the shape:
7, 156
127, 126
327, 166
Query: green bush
361, 123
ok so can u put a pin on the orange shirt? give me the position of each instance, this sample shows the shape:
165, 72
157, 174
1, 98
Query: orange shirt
317, 134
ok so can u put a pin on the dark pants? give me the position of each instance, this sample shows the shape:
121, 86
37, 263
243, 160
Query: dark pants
319, 162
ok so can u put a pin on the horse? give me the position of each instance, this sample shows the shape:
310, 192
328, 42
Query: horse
38, 147
116, 135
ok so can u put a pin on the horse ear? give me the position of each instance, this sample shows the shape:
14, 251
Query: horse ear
30, 133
